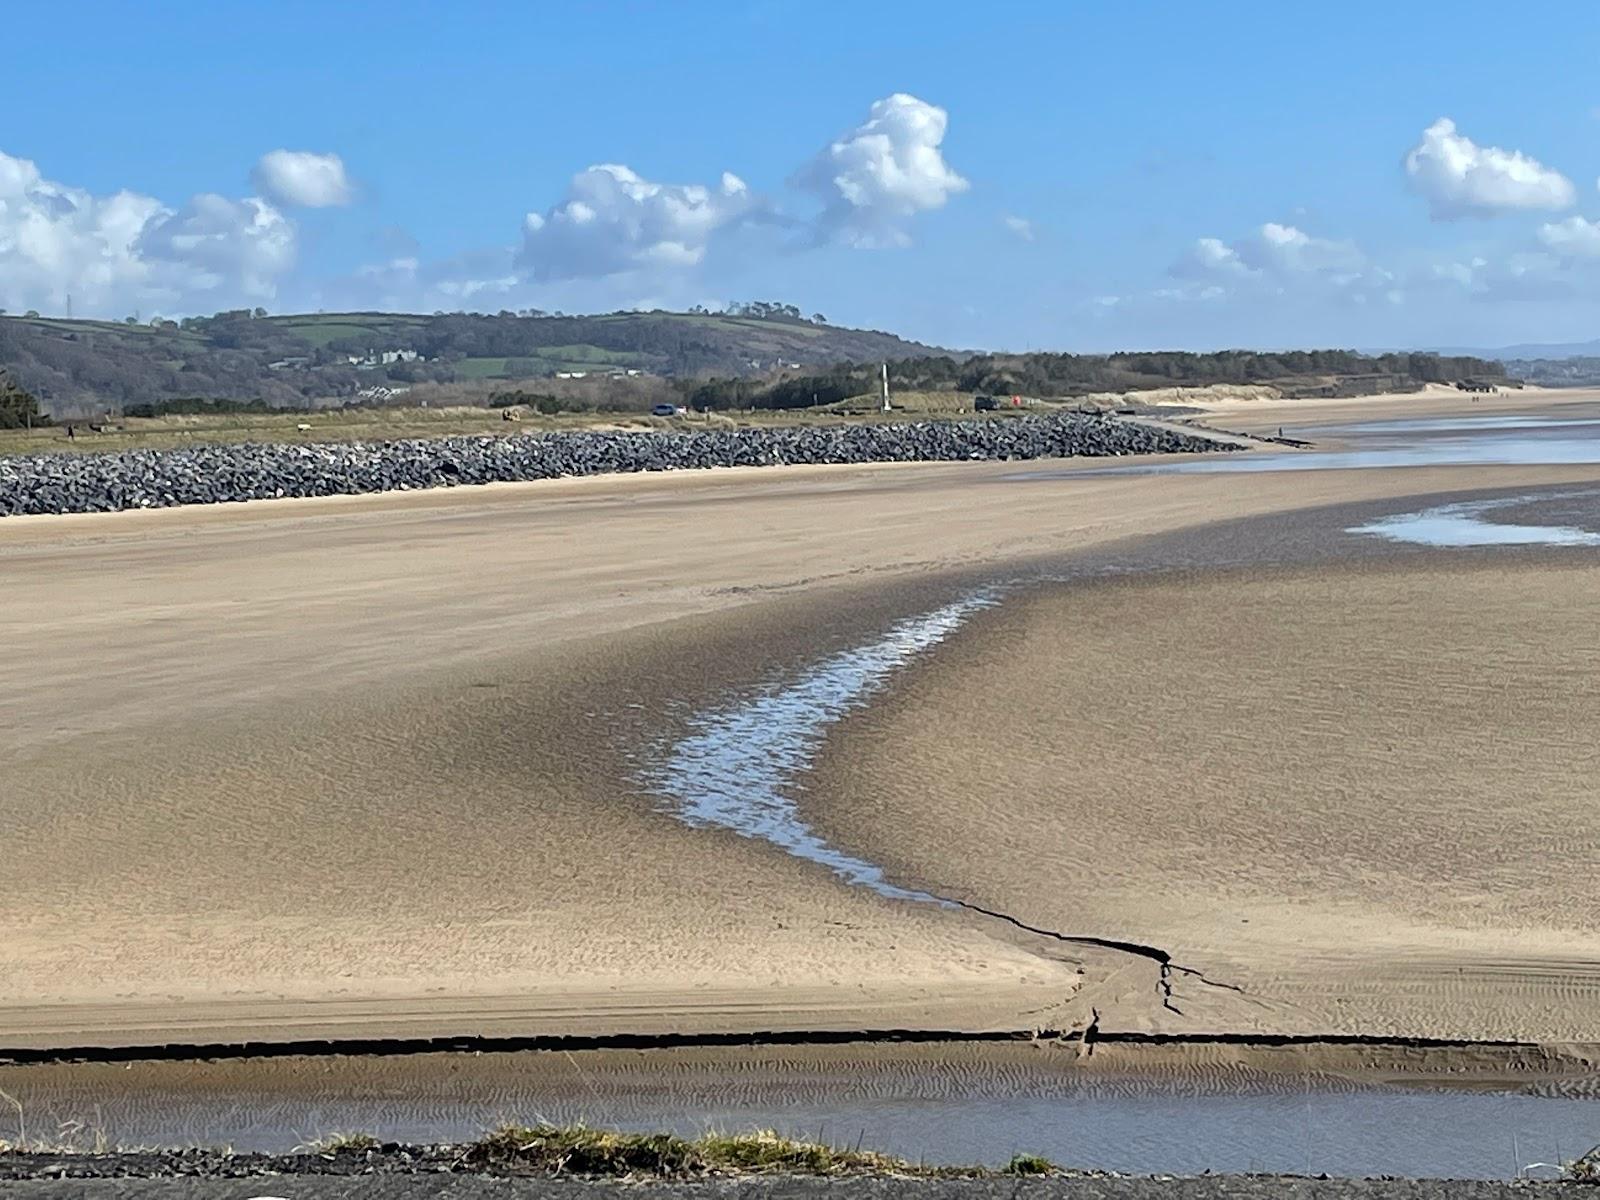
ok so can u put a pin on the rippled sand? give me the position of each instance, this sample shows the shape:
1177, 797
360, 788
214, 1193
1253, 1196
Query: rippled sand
1364, 792
373, 766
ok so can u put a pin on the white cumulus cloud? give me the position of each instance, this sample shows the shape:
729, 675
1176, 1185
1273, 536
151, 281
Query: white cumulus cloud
1572, 238
1460, 178
117, 253
301, 179
613, 221
242, 245
882, 173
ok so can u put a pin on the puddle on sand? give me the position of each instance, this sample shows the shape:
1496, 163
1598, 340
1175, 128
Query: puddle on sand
741, 765
1464, 524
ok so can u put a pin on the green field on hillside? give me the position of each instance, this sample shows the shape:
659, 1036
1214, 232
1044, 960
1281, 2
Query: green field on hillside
481, 368
385, 331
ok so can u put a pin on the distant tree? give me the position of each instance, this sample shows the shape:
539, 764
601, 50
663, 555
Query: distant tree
818, 319
257, 313
18, 407
32, 312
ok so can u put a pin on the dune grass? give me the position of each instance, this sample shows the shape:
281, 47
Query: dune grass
344, 1143
577, 1150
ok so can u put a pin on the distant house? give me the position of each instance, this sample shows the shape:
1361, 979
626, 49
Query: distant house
381, 358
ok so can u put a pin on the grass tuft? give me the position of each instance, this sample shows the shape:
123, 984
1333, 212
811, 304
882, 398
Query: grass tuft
765, 1151
1585, 1168
576, 1150
344, 1143
1030, 1164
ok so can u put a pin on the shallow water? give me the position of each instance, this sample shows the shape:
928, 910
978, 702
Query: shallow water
1467, 524
1455, 441
1456, 424
741, 766
1109, 1124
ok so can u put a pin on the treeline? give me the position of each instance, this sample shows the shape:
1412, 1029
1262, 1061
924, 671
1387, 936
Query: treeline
1068, 375
1078, 374
799, 391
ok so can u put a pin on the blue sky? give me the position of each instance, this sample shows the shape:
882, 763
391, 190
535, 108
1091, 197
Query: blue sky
1071, 176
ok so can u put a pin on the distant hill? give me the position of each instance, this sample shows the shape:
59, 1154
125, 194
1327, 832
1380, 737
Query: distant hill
1528, 351
78, 367
1569, 371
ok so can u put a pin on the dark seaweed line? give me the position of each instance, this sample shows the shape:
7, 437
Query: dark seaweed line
484, 1044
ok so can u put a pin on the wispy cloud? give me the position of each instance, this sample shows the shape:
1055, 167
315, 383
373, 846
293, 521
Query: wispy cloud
1019, 226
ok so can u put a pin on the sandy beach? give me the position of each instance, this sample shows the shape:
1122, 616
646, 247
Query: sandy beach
370, 765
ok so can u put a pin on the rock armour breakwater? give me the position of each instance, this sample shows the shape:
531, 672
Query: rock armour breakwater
214, 474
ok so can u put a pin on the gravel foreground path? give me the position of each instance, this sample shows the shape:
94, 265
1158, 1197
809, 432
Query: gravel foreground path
477, 1187
215, 474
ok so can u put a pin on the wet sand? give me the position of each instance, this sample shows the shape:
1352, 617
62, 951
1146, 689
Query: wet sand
1360, 793
370, 767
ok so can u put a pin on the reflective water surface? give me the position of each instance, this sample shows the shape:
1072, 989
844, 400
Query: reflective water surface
1468, 523
1529, 440
741, 765
1136, 1126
